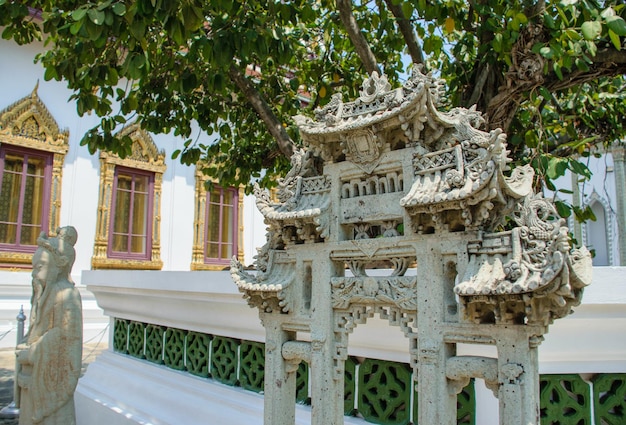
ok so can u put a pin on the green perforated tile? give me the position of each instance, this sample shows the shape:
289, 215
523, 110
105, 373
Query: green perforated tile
302, 384
252, 366
174, 351
564, 400
136, 339
384, 392
197, 354
120, 336
224, 360
154, 343
466, 405
349, 386
609, 398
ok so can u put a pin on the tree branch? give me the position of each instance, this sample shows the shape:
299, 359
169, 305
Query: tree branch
359, 42
406, 29
503, 107
610, 55
274, 125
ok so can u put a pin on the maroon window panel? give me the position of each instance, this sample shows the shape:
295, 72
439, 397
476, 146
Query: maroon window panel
25, 190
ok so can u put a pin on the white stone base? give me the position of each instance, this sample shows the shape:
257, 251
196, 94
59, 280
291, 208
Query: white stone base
121, 390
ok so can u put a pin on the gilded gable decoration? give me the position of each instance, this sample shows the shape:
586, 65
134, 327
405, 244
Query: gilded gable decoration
29, 123
145, 154
147, 157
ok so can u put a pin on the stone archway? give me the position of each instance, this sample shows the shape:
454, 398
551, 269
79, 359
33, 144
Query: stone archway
404, 183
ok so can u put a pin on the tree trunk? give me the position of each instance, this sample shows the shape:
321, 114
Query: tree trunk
406, 29
361, 46
274, 125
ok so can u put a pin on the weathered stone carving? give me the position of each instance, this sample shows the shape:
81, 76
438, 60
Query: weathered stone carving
402, 221
50, 360
506, 268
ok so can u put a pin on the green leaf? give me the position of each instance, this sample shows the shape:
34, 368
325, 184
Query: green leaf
79, 14
75, 27
617, 25
546, 52
563, 209
50, 74
608, 12
557, 70
591, 30
617, 43
96, 16
497, 43
407, 9
138, 28
119, 9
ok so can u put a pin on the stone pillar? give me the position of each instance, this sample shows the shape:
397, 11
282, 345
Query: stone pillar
323, 376
518, 376
437, 402
619, 164
280, 384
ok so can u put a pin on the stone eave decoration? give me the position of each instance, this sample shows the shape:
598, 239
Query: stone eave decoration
529, 274
304, 195
266, 291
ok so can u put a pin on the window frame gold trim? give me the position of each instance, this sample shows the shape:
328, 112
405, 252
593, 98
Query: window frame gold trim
146, 157
48, 137
200, 199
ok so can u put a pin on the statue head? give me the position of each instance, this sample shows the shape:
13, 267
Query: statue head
54, 257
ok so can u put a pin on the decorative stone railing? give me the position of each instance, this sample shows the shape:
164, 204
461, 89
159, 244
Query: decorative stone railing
191, 336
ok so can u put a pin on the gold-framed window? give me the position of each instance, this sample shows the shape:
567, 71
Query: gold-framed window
32, 153
129, 206
218, 225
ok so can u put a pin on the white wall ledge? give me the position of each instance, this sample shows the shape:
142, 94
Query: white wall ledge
121, 390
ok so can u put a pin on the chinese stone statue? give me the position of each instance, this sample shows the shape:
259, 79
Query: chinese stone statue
49, 361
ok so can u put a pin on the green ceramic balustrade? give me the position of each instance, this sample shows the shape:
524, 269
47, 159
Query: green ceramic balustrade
609, 399
120, 336
565, 399
197, 349
136, 339
224, 360
252, 370
376, 390
174, 349
154, 343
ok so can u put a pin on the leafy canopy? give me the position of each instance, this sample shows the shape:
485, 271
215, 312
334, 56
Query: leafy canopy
550, 73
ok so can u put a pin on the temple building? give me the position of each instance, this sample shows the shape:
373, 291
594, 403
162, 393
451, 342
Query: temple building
153, 264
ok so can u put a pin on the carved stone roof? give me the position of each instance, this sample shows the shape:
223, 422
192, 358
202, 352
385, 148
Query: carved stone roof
376, 104
396, 169
265, 291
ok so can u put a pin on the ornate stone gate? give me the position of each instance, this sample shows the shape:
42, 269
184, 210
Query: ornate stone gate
398, 209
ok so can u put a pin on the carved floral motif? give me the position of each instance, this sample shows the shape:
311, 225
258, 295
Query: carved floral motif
398, 291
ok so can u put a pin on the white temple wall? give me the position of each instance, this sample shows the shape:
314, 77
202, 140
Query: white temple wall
81, 170
600, 188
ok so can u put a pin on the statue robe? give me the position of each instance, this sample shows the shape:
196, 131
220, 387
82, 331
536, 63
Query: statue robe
48, 379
